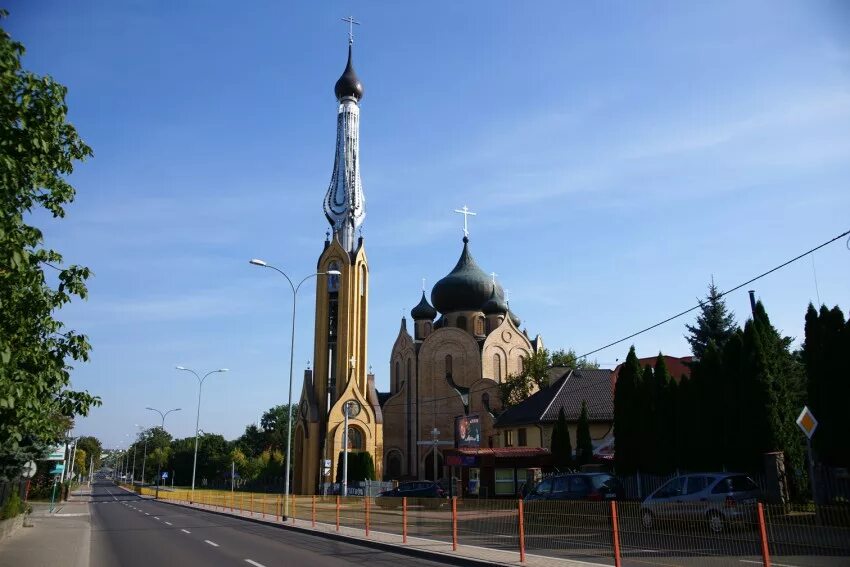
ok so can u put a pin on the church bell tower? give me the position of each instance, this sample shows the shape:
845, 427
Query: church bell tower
339, 379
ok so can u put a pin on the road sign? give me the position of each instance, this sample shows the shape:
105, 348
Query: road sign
29, 469
807, 422
164, 475
58, 468
57, 453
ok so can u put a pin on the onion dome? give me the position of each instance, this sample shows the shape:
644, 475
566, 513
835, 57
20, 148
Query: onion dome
423, 310
465, 288
349, 83
495, 305
516, 320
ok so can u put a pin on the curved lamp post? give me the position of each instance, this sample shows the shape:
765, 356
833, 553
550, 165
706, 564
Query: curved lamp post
159, 464
295, 288
198, 417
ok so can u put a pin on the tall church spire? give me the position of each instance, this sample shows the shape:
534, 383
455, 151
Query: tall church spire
345, 205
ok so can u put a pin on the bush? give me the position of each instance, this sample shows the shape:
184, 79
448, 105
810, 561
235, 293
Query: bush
13, 507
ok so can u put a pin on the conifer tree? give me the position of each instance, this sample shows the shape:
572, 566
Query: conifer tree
714, 322
584, 444
665, 416
648, 446
626, 421
562, 450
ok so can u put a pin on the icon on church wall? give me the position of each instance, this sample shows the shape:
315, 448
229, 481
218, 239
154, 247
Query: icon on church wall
467, 431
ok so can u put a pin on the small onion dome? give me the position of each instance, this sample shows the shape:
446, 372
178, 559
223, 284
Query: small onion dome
516, 320
349, 83
495, 305
423, 310
465, 288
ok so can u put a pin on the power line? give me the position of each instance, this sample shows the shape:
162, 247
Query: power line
736, 288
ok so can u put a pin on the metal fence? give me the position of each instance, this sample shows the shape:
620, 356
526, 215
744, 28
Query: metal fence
605, 532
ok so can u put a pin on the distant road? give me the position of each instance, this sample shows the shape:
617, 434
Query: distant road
129, 531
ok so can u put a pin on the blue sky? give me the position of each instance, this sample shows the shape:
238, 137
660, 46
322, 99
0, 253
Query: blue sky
618, 155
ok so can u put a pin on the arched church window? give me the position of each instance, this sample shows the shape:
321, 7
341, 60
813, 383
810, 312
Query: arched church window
333, 280
355, 439
497, 367
397, 375
461, 322
479, 326
393, 465
448, 365
362, 280
520, 363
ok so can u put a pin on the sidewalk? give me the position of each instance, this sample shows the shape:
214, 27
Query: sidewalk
433, 549
60, 538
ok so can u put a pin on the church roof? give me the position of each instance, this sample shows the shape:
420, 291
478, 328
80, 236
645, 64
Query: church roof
465, 288
349, 83
516, 320
567, 392
423, 310
495, 304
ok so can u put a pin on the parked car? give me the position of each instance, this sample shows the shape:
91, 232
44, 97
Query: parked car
418, 493
576, 486
716, 498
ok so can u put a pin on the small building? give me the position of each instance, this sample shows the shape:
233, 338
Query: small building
530, 423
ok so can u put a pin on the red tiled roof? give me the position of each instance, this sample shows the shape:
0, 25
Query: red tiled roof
677, 366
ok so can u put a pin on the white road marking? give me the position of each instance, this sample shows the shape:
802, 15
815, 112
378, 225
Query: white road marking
772, 563
155, 518
146, 514
168, 523
254, 563
185, 531
212, 543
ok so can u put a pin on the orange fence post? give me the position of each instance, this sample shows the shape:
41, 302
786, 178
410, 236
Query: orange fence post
454, 523
366, 504
279, 508
294, 501
765, 551
404, 520
242, 501
521, 520
263, 505
232, 496
313, 515
615, 529
252, 504
337, 513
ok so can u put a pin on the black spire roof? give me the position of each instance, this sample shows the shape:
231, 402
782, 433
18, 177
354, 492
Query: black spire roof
349, 83
465, 288
423, 310
495, 304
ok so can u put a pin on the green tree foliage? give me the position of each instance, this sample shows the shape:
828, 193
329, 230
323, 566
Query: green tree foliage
647, 425
714, 323
361, 466
561, 446
584, 444
626, 416
569, 359
38, 148
81, 462
92, 447
825, 354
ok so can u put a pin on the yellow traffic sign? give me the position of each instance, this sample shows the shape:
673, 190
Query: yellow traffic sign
807, 422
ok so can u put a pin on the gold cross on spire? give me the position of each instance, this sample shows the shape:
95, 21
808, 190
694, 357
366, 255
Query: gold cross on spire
351, 23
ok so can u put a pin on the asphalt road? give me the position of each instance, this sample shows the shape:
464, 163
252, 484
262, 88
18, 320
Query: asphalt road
129, 531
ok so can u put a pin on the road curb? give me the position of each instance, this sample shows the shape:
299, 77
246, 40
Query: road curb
444, 558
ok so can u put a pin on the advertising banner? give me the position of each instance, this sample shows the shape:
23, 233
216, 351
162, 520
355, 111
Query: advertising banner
467, 431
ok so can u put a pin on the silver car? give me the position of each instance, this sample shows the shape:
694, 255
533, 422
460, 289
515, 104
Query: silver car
715, 498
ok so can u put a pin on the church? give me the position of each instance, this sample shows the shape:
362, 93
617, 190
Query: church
444, 378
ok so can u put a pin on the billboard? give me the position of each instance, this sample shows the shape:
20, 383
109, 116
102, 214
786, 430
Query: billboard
467, 431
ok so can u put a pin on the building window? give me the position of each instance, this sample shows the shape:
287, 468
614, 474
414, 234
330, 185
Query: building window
397, 376
521, 439
509, 438
448, 365
461, 322
362, 280
355, 439
333, 281
497, 367
520, 364
505, 482
479, 326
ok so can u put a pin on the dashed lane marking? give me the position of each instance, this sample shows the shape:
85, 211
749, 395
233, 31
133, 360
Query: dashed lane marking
185, 531
212, 543
168, 523
156, 518
254, 563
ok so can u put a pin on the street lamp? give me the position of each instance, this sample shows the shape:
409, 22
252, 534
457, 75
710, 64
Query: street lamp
159, 462
295, 288
198, 417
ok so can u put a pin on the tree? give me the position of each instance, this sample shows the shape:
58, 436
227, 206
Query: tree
665, 417
584, 444
626, 417
714, 322
648, 445
569, 359
561, 446
825, 351
92, 447
81, 462
38, 149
